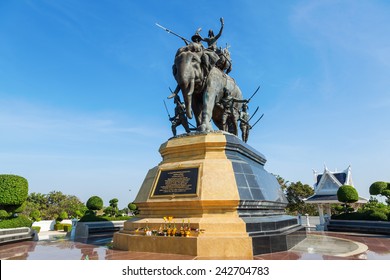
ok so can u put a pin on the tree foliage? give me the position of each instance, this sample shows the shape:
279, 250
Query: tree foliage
282, 182
296, 193
51, 205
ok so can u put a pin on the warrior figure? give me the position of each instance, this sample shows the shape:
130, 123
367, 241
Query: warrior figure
180, 117
244, 123
230, 115
212, 53
212, 40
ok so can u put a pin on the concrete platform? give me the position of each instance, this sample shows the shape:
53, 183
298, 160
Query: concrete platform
317, 246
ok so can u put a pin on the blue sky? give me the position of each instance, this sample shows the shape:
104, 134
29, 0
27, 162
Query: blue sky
82, 84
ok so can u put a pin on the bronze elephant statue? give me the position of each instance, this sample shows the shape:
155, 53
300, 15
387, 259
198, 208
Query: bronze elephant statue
203, 86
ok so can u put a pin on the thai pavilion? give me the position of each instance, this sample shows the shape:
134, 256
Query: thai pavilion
325, 191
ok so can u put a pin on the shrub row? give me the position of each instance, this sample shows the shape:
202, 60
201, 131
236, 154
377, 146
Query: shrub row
368, 216
65, 227
94, 218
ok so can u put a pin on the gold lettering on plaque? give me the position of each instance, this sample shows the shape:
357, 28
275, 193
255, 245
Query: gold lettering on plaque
177, 182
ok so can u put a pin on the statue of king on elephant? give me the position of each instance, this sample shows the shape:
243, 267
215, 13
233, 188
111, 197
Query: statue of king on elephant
203, 87
208, 91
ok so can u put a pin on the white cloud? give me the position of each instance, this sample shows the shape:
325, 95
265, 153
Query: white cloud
21, 119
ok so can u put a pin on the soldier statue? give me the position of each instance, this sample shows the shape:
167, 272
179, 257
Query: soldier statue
230, 114
180, 117
244, 123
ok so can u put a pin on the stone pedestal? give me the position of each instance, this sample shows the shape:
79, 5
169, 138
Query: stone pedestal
216, 184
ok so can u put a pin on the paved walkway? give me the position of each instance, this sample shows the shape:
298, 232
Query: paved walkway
318, 245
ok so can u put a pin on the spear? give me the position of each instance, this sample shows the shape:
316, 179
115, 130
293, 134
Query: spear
254, 113
173, 33
257, 121
166, 109
254, 93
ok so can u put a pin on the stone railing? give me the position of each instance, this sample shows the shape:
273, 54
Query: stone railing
16, 234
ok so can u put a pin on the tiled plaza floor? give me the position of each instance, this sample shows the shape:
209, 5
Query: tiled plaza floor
332, 246
318, 246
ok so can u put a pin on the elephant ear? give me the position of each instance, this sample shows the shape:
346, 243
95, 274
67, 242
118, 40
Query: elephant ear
174, 70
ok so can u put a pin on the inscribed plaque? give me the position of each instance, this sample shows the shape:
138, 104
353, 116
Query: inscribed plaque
177, 182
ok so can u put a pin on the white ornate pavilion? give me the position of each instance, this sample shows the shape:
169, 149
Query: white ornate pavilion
325, 191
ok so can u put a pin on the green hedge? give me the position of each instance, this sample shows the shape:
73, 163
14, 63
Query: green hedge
93, 218
13, 190
365, 216
59, 226
64, 227
20, 221
67, 227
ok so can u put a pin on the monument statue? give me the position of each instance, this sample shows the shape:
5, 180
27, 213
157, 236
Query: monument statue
212, 40
233, 207
230, 114
244, 123
180, 117
208, 91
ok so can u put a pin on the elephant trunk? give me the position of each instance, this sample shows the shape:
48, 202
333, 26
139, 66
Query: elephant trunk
188, 98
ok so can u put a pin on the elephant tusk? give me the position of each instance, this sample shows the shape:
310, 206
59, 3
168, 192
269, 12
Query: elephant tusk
189, 98
174, 93
192, 85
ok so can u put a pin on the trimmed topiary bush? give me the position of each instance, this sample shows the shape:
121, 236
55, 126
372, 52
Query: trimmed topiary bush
347, 194
13, 192
377, 188
67, 227
94, 203
59, 227
133, 208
